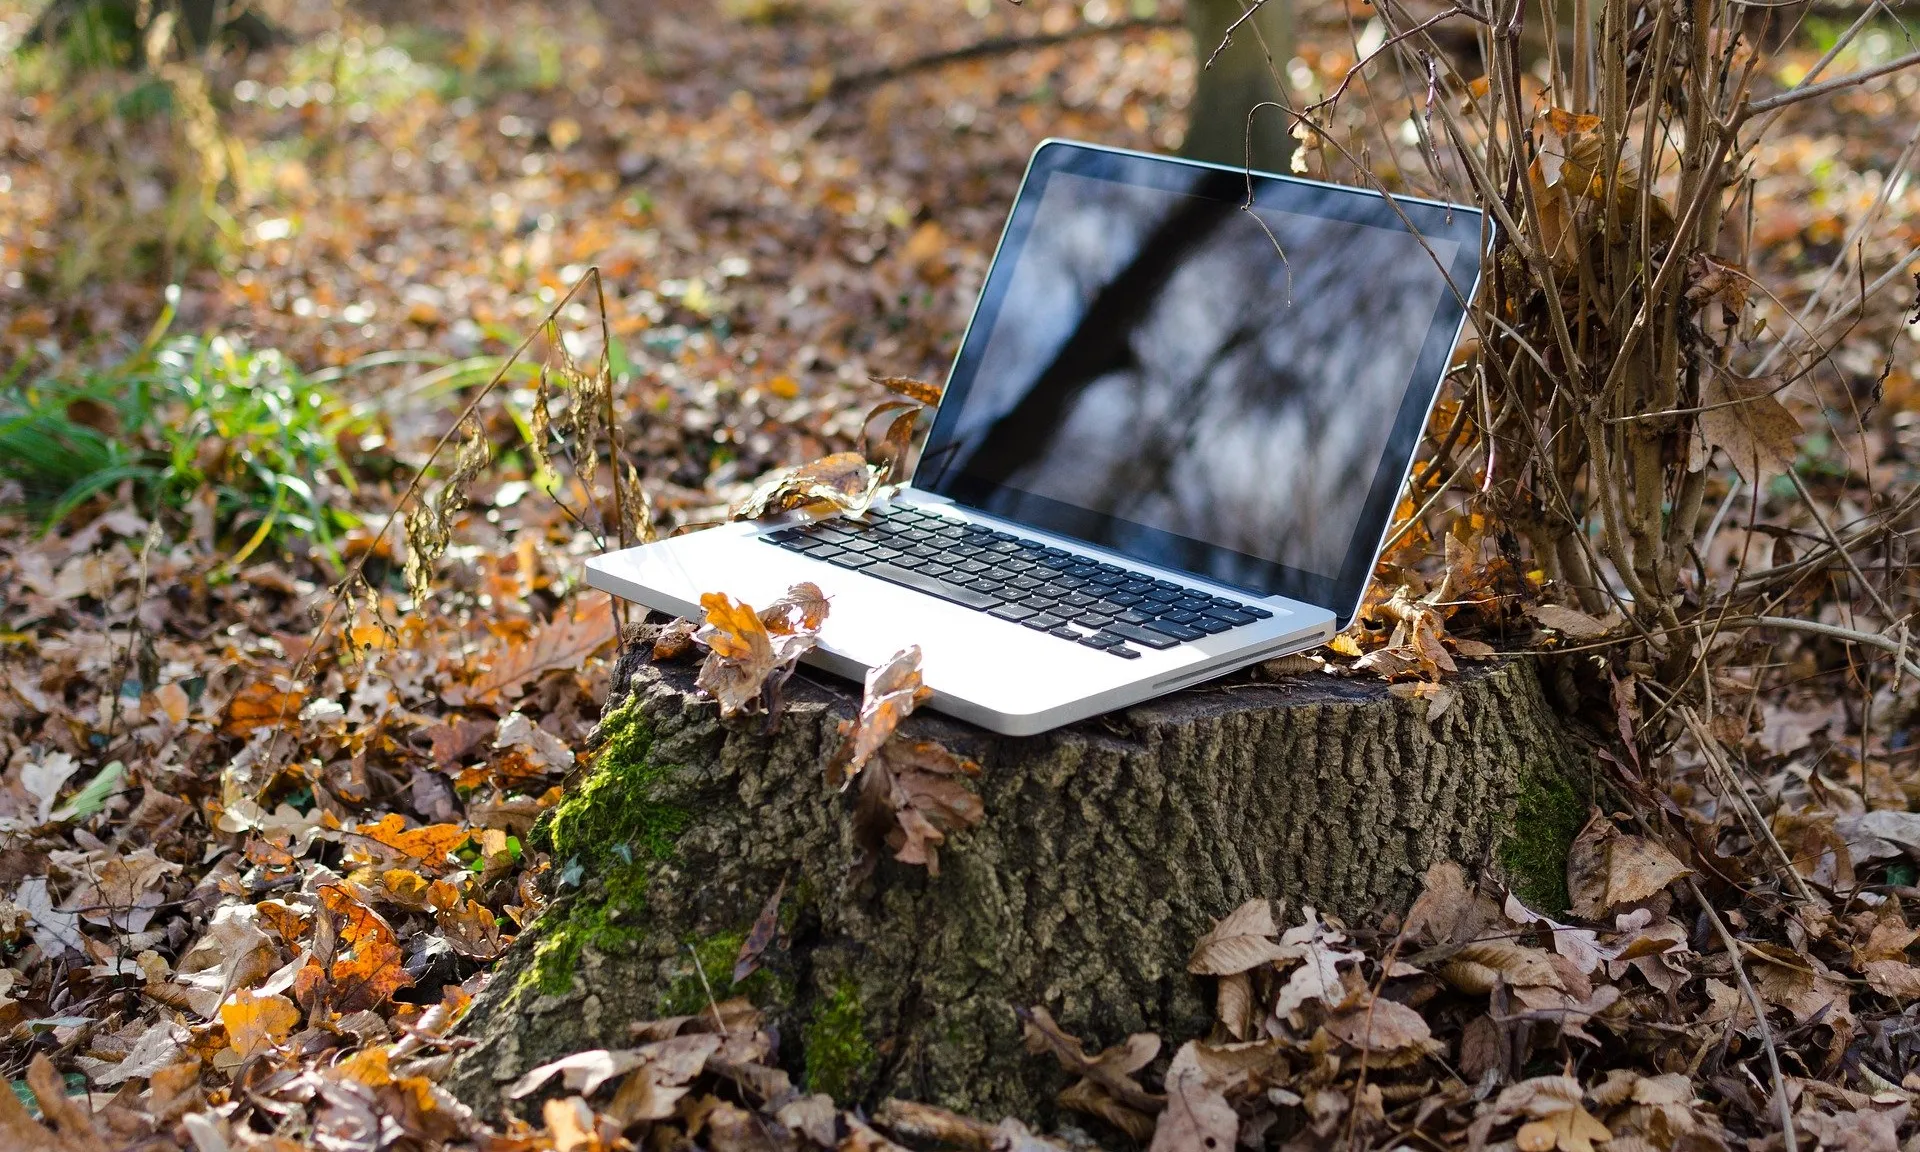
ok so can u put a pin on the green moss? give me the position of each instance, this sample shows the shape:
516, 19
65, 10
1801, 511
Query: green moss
687, 996
612, 829
617, 813
1546, 818
606, 924
838, 1053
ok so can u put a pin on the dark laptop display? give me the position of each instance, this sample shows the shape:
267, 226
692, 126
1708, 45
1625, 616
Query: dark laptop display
1158, 367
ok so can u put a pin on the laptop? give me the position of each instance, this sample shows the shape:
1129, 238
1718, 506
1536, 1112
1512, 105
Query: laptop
1169, 447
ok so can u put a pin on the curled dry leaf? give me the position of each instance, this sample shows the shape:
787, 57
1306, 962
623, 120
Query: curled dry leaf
1569, 622
916, 390
893, 691
911, 796
1746, 418
746, 660
844, 481
1608, 869
1197, 1115
1239, 941
1381, 1025
1106, 1087
674, 640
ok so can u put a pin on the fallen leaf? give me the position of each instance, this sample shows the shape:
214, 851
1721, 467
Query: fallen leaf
746, 663
261, 704
257, 1024
565, 642
843, 481
1239, 941
367, 967
1197, 1115
893, 691
1569, 622
1746, 418
764, 927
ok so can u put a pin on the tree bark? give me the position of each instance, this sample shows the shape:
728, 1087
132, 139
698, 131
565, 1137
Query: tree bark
1244, 74
1108, 848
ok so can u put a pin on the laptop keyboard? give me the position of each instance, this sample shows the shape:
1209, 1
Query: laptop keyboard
1050, 590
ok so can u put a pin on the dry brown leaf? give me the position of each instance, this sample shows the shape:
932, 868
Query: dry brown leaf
1608, 870
1239, 941
675, 640
911, 796
1111, 1070
1569, 622
1197, 1115
746, 663
916, 390
1475, 965
261, 704
844, 481
893, 691
1747, 419
565, 642
1381, 1025
69, 1128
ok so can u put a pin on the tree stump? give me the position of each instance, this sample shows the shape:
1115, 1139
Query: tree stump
1108, 848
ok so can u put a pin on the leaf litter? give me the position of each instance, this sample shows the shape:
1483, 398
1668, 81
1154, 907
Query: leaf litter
242, 897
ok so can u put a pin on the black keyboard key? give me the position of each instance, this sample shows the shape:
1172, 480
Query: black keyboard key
1084, 569
990, 587
1069, 580
1026, 583
1136, 586
1136, 617
1230, 616
1179, 616
1065, 633
1124, 599
832, 537
885, 554
1014, 612
933, 569
849, 560
1058, 562
1163, 595
1257, 613
1193, 605
1094, 619
1097, 641
1123, 650
1210, 625
1045, 621
933, 587
1140, 635
1177, 631
1079, 600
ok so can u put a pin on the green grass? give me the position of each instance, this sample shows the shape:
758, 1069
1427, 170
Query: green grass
181, 416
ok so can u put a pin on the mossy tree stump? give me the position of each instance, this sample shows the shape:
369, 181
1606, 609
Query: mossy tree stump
1107, 850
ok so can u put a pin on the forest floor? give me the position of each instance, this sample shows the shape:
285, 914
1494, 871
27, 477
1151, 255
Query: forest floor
262, 832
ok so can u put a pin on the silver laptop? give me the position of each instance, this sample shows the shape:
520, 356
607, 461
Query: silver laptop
1169, 446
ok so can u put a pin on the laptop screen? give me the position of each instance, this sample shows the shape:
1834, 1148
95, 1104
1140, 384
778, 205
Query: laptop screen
1231, 388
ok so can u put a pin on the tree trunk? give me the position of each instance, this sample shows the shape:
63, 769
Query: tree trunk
1108, 848
1244, 74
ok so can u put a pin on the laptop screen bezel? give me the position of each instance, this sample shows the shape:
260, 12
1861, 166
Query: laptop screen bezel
1340, 594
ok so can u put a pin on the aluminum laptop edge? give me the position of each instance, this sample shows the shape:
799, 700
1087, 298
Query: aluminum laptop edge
1186, 384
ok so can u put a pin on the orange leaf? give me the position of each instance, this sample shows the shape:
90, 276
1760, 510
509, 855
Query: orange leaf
366, 969
257, 1023
432, 844
563, 642
260, 704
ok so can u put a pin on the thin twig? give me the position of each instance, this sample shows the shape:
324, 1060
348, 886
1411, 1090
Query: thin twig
1732, 946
